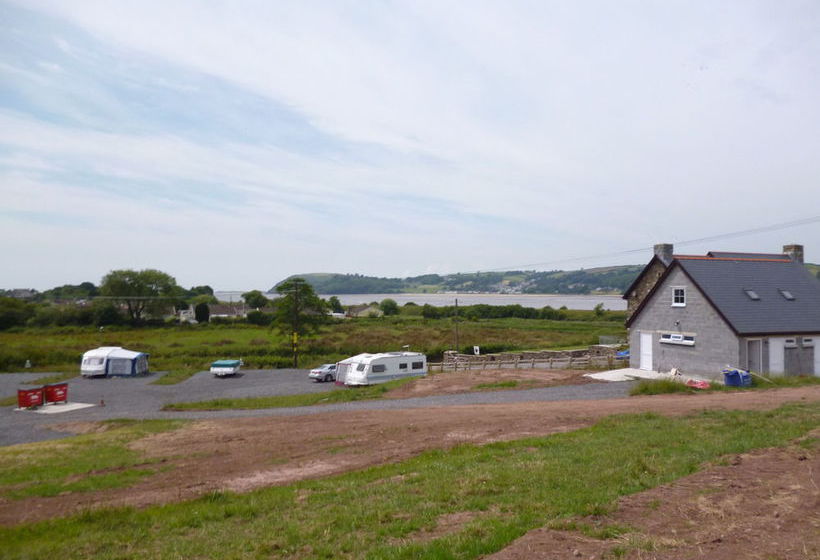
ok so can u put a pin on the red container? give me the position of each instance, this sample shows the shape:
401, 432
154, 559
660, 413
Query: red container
27, 398
56, 392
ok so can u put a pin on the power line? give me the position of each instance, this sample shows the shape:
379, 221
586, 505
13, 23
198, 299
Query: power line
730, 235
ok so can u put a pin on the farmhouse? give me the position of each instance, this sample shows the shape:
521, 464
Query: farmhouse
701, 313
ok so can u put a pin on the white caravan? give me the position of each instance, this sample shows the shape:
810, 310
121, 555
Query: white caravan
113, 360
367, 369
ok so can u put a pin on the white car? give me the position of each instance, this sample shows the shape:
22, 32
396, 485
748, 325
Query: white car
325, 372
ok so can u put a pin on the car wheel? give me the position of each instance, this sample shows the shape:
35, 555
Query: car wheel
328, 378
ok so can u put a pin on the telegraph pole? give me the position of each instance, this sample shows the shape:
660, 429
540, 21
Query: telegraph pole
456, 320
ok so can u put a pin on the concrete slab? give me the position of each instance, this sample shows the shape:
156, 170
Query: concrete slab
626, 374
56, 408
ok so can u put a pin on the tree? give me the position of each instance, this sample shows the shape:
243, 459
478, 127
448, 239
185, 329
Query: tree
335, 305
202, 312
143, 292
255, 299
14, 312
389, 307
298, 311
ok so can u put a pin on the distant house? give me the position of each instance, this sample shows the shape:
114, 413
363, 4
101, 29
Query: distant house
227, 311
698, 314
365, 310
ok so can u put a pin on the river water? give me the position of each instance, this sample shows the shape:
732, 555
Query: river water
614, 303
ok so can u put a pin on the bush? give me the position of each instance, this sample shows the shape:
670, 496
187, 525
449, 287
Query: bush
259, 318
14, 312
202, 312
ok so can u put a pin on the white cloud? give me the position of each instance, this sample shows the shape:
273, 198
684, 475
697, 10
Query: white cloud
470, 136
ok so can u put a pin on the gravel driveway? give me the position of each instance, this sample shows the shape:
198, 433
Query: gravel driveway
137, 398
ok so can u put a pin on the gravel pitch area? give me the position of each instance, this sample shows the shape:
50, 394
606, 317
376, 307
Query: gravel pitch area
125, 397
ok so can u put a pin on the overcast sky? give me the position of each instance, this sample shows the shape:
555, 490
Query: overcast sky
236, 143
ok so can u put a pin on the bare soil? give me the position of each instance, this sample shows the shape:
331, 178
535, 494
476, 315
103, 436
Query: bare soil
762, 505
477, 380
242, 454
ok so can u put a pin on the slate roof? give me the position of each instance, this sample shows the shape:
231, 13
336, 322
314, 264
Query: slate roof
774, 256
724, 280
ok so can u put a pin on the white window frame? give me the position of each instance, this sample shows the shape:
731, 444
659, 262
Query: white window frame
790, 342
681, 339
808, 342
674, 296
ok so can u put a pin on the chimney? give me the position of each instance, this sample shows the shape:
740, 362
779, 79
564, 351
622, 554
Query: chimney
794, 251
664, 252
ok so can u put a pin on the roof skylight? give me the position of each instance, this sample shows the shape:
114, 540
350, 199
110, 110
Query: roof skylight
752, 294
786, 294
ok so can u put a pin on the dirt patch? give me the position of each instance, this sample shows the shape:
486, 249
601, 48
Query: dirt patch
246, 453
466, 381
762, 505
445, 524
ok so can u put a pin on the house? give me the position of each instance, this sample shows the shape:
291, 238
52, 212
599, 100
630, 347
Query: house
699, 314
227, 311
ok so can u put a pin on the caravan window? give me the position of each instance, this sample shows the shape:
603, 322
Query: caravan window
93, 361
379, 368
360, 367
403, 366
418, 365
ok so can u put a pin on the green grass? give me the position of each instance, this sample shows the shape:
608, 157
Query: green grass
175, 376
191, 348
338, 395
662, 386
79, 464
498, 385
381, 512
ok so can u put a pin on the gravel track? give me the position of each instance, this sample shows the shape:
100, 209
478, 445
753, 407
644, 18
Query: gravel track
137, 398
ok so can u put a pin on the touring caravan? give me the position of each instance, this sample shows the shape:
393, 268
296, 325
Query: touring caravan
368, 369
113, 360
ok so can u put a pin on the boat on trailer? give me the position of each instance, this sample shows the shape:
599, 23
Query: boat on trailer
223, 368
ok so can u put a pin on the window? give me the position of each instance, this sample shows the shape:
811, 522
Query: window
790, 343
808, 342
786, 294
379, 368
678, 338
679, 297
752, 294
403, 366
418, 365
360, 367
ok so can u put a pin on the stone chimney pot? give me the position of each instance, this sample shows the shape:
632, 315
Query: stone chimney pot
794, 251
664, 252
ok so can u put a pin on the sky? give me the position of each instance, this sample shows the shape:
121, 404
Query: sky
234, 143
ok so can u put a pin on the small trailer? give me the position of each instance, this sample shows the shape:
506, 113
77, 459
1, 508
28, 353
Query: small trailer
368, 369
113, 360
223, 368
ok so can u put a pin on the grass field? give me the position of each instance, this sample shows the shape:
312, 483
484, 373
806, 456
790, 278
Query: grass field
365, 393
499, 491
184, 350
79, 464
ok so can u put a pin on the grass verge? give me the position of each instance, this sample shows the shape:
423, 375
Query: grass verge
79, 464
175, 376
338, 395
498, 491
662, 386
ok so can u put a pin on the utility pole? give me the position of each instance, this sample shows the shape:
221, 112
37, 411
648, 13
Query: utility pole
295, 325
456, 320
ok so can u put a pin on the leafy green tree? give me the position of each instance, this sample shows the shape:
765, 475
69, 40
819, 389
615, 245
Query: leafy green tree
255, 299
335, 305
142, 292
202, 312
14, 312
430, 312
389, 307
299, 310
106, 313
599, 310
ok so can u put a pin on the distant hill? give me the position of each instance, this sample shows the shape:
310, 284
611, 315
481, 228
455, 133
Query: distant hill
610, 279
613, 279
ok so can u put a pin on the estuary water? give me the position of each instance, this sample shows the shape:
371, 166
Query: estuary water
614, 303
